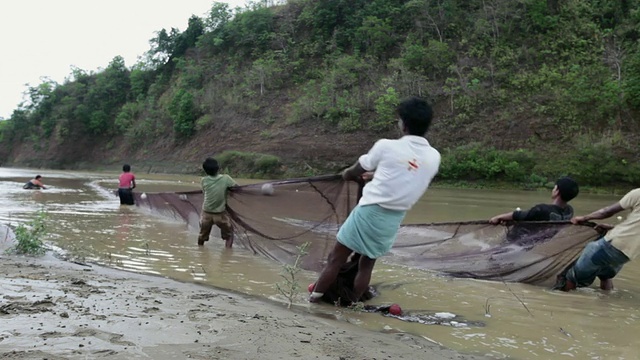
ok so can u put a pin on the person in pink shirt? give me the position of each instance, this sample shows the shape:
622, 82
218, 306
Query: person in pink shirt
127, 184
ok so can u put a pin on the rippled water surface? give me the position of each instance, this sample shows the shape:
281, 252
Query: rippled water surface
525, 322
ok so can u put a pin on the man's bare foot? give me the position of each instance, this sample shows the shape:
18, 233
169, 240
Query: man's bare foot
569, 285
606, 284
563, 284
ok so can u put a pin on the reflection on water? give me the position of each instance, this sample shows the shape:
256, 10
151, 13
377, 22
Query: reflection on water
522, 321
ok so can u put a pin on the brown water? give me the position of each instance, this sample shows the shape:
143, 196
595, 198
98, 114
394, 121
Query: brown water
587, 324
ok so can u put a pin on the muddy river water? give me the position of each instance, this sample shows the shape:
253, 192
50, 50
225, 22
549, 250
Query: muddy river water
85, 218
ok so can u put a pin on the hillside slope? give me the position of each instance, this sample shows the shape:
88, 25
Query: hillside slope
524, 91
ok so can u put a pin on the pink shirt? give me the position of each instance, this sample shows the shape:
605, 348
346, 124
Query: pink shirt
126, 179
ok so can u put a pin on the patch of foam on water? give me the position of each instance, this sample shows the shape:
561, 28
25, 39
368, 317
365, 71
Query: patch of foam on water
506, 342
474, 335
457, 324
105, 193
445, 315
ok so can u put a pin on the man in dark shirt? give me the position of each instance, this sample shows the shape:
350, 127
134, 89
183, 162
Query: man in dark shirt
565, 190
530, 233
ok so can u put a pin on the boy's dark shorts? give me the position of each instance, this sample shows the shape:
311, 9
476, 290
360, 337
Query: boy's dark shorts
126, 196
221, 220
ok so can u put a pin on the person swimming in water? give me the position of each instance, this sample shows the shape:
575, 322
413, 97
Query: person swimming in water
34, 184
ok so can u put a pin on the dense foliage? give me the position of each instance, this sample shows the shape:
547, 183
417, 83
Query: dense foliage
537, 88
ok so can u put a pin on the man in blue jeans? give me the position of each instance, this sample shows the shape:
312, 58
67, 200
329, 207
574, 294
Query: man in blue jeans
605, 257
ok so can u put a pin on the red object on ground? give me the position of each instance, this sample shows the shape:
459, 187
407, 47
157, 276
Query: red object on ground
311, 286
395, 309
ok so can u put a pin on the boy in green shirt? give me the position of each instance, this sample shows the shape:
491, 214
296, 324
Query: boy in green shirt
215, 188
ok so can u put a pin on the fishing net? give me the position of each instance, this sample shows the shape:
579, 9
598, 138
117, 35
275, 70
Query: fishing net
310, 210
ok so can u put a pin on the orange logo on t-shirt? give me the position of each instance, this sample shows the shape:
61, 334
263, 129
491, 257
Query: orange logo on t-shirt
413, 165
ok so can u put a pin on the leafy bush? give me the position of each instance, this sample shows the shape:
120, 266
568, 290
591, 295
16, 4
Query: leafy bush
386, 110
592, 161
290, 287
29, 237
184, 113
476, 162
596, 162
431, 59
250, 164
126, 116
98, 122
632, 81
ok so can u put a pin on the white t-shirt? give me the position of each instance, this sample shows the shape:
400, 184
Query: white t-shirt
403, 169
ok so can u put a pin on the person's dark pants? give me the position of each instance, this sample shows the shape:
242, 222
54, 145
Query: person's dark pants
222, 221
126, 196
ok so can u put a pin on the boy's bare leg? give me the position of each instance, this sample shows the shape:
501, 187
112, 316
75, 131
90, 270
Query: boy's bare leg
228, 242
361, 282
206, 223
337, 258
226, 230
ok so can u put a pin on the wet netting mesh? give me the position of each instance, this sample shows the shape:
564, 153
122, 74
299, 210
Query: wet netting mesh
310, 210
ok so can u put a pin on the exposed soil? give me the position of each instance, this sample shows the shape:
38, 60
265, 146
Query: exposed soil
52, 309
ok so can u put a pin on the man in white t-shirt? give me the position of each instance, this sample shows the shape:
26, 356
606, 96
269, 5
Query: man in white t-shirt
402, 170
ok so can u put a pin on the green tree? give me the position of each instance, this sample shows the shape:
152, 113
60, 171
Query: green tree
162, 46
386, 110
219, 17
376, 36
184, 114
265, 71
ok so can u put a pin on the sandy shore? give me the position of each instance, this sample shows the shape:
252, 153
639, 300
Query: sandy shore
53, 309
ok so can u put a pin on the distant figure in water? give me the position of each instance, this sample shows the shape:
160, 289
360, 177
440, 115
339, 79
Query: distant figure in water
127, 184
34, 184
214, 207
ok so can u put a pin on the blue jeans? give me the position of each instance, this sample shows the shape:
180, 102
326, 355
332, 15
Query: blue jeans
598, 259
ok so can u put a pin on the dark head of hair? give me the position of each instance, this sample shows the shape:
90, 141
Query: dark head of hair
126, 168
38, 177
211, 166
416, 115
568, 188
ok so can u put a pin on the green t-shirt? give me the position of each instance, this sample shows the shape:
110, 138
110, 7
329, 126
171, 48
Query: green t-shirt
215, 192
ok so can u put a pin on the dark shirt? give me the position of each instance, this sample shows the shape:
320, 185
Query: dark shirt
528, 234
544, 212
